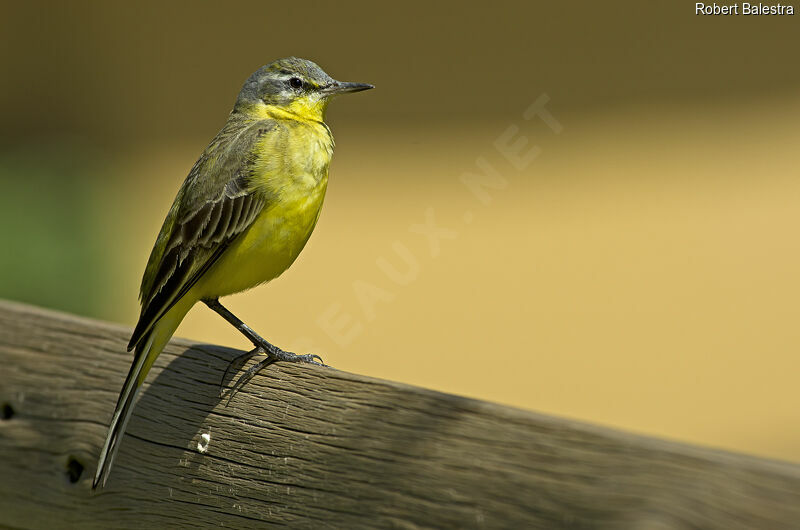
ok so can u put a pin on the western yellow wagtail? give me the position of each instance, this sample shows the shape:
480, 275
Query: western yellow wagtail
240, 219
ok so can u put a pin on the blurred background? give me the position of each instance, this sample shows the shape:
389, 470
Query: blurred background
640, 272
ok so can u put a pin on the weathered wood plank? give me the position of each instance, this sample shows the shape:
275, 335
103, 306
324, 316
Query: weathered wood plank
314, 447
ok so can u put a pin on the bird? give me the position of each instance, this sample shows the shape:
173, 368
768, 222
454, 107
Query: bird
241, 218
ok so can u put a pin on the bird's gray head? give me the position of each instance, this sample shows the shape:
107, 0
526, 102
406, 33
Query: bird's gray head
292, 84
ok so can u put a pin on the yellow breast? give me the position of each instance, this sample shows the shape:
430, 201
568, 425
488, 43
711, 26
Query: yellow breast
292, 171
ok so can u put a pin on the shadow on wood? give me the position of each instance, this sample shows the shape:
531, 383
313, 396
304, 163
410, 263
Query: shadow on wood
315, 447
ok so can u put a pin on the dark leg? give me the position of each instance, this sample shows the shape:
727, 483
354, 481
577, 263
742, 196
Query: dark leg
273, 352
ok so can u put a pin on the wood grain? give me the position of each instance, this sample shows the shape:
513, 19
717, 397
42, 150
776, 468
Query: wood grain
315, 447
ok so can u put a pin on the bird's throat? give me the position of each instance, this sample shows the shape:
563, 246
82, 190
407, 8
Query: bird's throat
302, 109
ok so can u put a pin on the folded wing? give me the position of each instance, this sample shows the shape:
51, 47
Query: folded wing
215, 205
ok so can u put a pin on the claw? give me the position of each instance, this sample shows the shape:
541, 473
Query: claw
274, 354
295, 358
310, 359
247, 376
239, 361
261, 346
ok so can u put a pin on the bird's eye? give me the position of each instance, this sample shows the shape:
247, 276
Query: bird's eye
295, 82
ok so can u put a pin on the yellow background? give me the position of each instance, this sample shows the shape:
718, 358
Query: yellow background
641, 272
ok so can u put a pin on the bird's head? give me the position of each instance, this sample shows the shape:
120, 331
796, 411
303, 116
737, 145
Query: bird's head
294, 85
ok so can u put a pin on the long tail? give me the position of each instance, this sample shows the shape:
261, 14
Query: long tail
146, 352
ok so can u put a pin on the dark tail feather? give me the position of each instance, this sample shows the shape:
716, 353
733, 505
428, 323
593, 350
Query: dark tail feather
122, 412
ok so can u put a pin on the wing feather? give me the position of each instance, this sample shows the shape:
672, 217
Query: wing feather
214, 206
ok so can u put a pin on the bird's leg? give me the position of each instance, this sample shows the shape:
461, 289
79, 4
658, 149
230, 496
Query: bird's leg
273, 352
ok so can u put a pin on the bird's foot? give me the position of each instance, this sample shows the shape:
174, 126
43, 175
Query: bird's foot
235, 365
273, 354
277, 354
310, 358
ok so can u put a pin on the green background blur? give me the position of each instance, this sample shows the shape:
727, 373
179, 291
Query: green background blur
641, 272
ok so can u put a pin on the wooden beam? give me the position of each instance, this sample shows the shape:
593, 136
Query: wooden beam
314, 447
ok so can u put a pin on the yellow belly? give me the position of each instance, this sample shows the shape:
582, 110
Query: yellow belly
268, 247
292, 171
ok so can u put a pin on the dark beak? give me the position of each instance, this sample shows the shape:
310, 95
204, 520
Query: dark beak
338, 87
